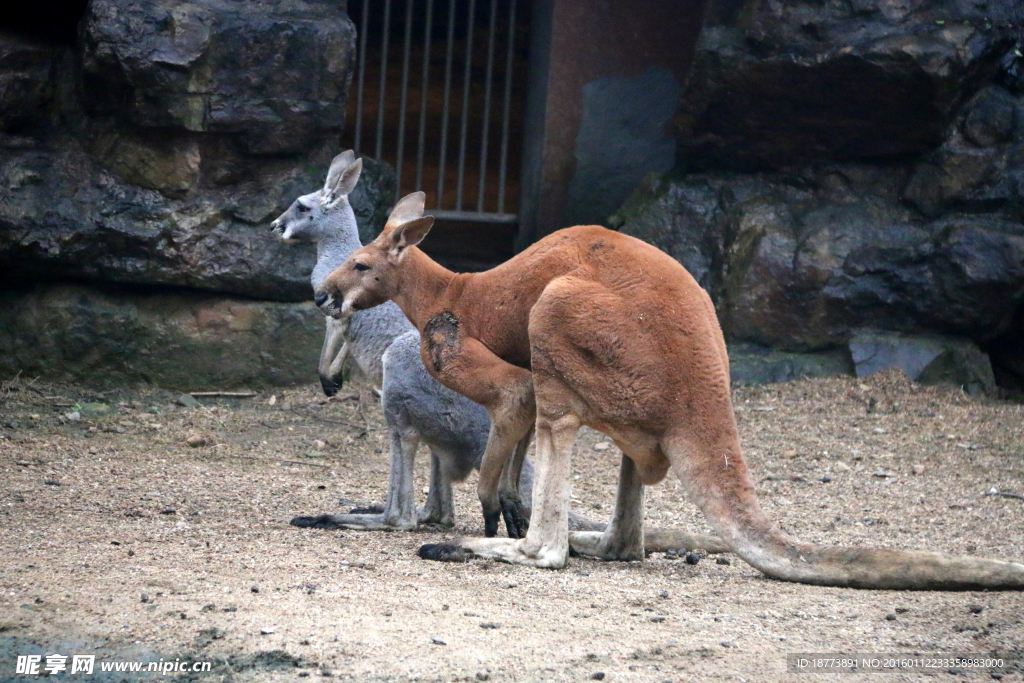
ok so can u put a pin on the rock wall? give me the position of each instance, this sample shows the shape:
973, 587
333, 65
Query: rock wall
114, 336
156, 149
851, 168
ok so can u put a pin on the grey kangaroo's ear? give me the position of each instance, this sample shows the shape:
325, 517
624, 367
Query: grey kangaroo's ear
346, 183
410, 233
408, 208
338, 166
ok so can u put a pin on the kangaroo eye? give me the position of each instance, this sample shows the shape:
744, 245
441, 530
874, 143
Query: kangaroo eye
361, 267
304, 209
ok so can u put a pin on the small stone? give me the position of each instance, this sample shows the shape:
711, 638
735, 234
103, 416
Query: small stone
791, 453
597, 676
723, 560
692, 558
168, 511
602, 446
272, 401
255, 589
437, 641
209, 608
286, 406
825, 480
975, 609
841, 466
490, 625
881, 474
188, 401
917, 469
51, 482
92, 411
320, 445
145, 598
890, 617
267, 630
726, 643
663, 595
75, 416
195, 440
902, 610
481, 676
657, 620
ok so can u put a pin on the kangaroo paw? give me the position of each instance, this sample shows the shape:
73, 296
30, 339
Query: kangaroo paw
517, 517
445, 552
491, 523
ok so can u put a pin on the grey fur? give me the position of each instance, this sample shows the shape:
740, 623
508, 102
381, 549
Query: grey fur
386, 349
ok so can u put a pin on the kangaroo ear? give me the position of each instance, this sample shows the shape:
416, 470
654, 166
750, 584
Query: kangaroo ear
342, 177
408, 208
410, 234
338, 166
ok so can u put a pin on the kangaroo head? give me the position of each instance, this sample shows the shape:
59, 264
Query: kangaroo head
305, 219
369, 277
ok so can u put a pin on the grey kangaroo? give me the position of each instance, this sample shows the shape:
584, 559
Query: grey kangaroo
386, 348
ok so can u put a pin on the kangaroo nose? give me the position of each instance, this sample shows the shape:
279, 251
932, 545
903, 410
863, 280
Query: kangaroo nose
320, 298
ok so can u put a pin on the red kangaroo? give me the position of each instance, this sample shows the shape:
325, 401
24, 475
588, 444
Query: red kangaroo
591, 327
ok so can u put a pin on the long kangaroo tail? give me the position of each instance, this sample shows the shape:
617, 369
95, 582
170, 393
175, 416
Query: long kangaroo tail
721, 487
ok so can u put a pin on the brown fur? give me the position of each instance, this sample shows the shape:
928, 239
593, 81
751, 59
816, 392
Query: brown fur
592, 327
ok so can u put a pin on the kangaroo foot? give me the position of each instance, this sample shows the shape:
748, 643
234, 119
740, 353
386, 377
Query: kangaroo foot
355, 522
427, 516
318, 522
444, 552
517, 551
597, 544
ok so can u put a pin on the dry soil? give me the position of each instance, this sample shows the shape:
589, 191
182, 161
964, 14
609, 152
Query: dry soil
122, 539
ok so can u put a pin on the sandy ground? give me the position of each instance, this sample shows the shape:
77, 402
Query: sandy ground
120, 538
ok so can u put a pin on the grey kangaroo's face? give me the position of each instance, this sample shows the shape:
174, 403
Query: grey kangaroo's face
301, 222
304, 220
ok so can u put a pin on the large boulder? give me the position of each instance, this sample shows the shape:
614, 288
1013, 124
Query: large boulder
112, 336
929, 359
66, 215
159, 154
798, 260
847, 166
274, 73
777, 83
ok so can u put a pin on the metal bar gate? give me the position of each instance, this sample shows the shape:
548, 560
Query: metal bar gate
458, 127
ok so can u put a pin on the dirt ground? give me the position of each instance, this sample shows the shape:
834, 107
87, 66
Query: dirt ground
122, 539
